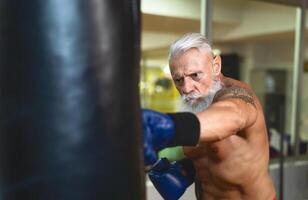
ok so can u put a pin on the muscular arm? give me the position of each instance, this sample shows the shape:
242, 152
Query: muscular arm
233, 110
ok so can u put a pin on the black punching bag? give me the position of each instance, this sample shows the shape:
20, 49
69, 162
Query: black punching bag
69, 105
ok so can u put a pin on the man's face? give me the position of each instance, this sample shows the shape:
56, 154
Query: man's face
194, 75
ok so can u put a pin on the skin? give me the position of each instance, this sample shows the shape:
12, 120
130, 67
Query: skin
231, 159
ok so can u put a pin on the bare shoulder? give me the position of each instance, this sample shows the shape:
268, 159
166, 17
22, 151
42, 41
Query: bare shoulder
234, 89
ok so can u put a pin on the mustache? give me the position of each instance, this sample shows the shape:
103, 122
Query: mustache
191, 96
188, 102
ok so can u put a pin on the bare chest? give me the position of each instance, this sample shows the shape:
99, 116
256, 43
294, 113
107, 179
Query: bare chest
223, 162
216, 151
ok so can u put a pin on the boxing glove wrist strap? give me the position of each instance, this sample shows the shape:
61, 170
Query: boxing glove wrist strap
187, 129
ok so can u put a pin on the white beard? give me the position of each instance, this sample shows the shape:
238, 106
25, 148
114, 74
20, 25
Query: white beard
196, 103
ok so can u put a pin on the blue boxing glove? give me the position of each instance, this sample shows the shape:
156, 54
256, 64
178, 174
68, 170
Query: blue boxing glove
167, 130
158, 129
171, 180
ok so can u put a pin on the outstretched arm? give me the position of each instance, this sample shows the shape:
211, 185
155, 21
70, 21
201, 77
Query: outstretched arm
233, 110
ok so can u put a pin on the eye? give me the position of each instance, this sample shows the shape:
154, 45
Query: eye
196, 76
178, 81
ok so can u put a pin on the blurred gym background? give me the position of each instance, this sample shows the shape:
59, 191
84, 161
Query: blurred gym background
261, 43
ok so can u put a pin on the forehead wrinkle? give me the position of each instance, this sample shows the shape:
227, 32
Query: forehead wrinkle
193, 67
187, 64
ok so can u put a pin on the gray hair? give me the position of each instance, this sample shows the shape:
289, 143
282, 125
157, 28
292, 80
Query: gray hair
187, 42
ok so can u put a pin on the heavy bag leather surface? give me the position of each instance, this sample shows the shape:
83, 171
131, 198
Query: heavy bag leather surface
69, 105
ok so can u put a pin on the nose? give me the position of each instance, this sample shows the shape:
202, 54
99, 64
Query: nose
188, 86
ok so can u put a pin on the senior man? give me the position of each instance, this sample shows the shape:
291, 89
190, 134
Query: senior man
224, 136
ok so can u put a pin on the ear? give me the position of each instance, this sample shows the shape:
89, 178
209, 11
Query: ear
217, 65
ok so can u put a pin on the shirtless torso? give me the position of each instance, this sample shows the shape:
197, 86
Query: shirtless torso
234, 166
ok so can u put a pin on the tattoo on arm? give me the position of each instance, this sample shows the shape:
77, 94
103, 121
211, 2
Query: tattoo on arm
236, 93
